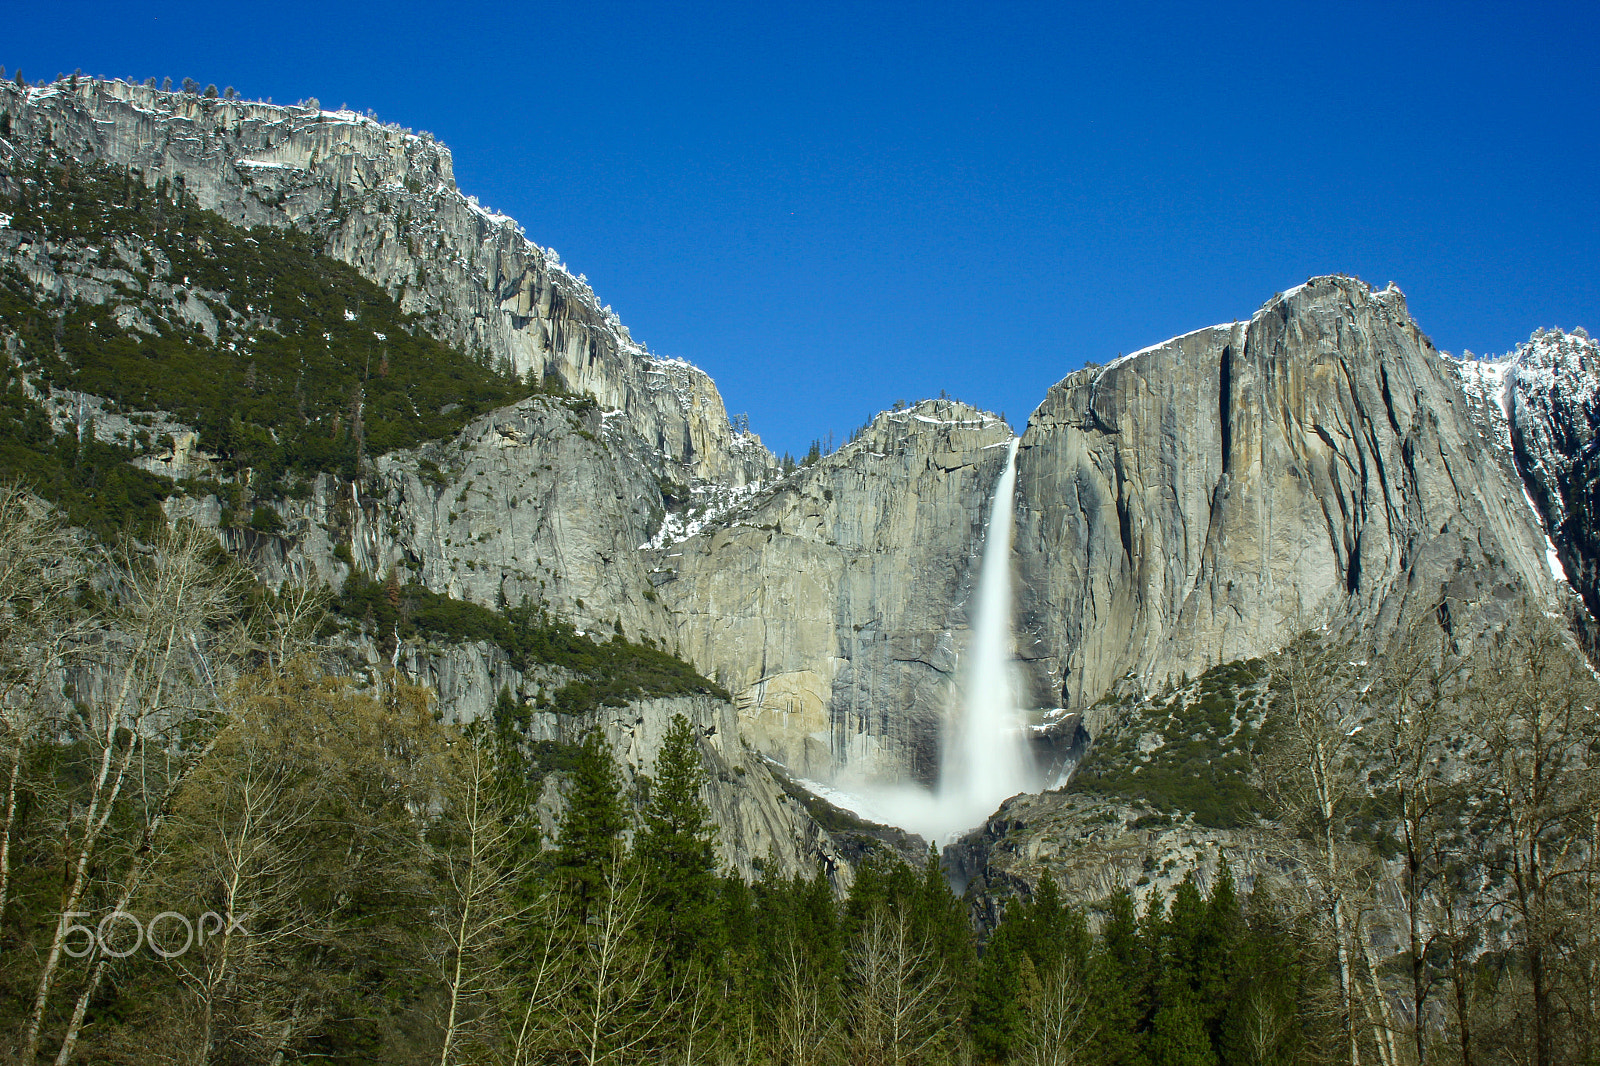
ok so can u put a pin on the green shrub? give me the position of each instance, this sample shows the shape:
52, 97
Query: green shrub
1202, 766
608, 673
266, 520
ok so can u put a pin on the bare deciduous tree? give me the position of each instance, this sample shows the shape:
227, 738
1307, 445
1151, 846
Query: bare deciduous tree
616, 1010
1305, 766
897, 993
1534, 725
38, 560
802, 1024
1414, 687
155, 727
480, 869
242, 854
1058, 1026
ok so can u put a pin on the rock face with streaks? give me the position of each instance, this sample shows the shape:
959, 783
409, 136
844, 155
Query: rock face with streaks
833, 605
546, 500
1206, 499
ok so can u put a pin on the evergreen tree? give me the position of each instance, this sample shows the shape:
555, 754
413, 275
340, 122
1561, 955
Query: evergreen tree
676, 853
817, 921
1119, 972
1221, 929
1258, 1024
589, 841
995, 1014
1177, 1035
938, 915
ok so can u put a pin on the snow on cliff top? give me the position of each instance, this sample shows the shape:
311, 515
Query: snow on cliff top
1119, 360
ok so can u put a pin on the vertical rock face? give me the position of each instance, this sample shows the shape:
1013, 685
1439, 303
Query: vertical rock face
385, 201
1551, 395
833, 605
1205, 499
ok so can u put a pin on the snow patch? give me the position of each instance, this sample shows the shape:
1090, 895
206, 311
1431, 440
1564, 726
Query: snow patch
711, 504
1557, 571
1486, 383
952, 421
491, 216
1119, 360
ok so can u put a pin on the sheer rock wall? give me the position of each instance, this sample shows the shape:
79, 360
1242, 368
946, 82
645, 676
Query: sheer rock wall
833, 605
1206, 499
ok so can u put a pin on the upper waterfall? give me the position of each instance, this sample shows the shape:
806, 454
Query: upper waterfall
985, 752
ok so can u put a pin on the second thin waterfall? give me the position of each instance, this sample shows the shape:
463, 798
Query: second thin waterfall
986, 758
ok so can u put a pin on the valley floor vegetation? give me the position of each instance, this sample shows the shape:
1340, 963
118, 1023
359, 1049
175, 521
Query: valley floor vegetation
216, 850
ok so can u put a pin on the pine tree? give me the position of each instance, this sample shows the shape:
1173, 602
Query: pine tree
995, 1014
675, 850
1257, 1026
1177, 1035
589, 840
1221, 930
1119, 973
1183, 931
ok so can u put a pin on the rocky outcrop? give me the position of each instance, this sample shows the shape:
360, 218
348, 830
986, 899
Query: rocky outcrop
1091, 848
546, 501
833, 605
384, 200
1549, 391
1205, 499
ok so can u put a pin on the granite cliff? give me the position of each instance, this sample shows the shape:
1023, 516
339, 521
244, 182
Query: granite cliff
1336, 476
832, 605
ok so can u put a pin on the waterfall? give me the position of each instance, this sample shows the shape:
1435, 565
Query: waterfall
985, 757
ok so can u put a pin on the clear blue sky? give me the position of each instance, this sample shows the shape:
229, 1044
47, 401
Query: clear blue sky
830, 207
